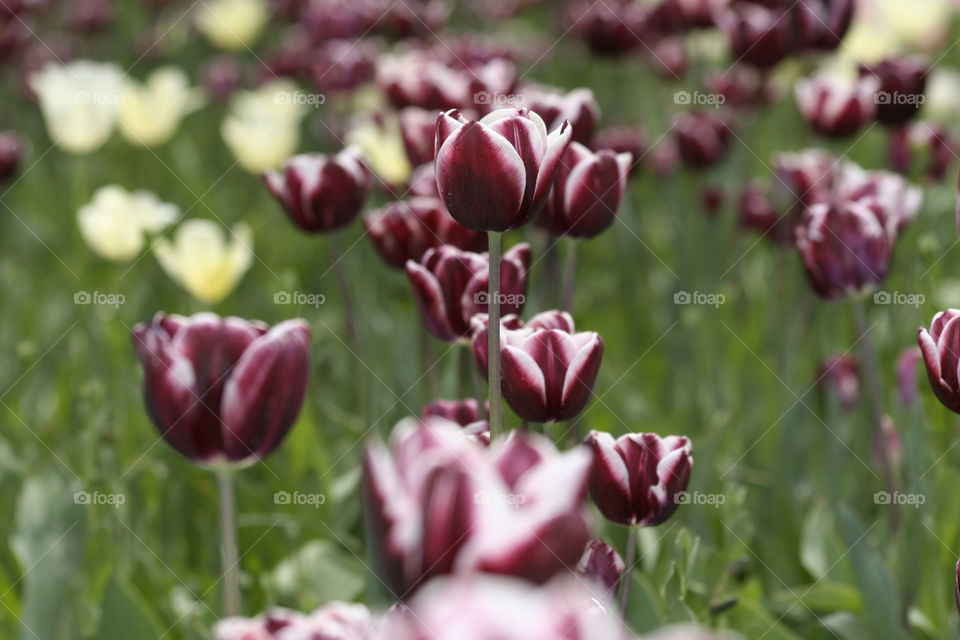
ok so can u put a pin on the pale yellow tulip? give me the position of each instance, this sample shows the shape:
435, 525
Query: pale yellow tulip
115, 221
383, 151
232, 24
263, 127
203, 262
151, 112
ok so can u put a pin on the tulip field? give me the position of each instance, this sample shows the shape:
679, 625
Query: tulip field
253, 253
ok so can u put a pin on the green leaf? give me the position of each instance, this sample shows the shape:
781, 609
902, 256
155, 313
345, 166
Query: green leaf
645, 611
124, 614
826, 597
317, 573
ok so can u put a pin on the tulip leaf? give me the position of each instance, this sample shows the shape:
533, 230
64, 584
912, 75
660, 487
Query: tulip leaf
822, 552
645, 610
818, 597
750, 618
124, 614
847, 626
316, 573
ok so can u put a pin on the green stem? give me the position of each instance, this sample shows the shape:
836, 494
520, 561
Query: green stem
628, 571
493, 335
228, 542
569, 275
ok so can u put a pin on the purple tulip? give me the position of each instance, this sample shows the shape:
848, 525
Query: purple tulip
494, 174
701, 139
941, 354
405, 230
451, 287
841, 374
333, 621
10, 151
602, 564
635, 478
804, 178
554, 319
759, 214
609, 28
419, 130
821, 24
907, 375
321, 193
465, 413
221, 76
223, 389
896, 201
758, 35
623, 140
901, 83
438, 503
578, 107
834, 108
587, 191
846, 248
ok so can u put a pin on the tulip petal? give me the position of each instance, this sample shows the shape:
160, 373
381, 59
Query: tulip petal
524, 386
580, 377
557, 143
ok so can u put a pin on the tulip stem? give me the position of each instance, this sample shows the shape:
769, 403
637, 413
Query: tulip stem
876, 398
628, 570
228, 542
493, 334
350, 325
569, 276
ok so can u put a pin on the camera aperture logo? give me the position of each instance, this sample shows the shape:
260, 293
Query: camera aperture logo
699, 98
299, 298
97, 498
699, 298
482, 298
697, 498
899, 98
300, 98
510, 499
896, 297
498, 99
300, 499
907, 499
99, 298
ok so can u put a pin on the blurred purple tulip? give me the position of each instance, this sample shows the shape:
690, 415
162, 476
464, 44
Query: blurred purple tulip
907, 375
451, 285
636, 478
894, 199
820, 25
221, 76
11, 150
602, 564
321, 193
333, 621
438, 503
834, 108
758, 35
405, 230
578, 107
587, 191
609, 28
620, 139
900, 86
223, 389
495, 174
841, 374
701, 139
419, 130
479, 324
941, 355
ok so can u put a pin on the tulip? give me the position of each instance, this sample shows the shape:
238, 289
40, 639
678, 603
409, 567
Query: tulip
421, 79
382, 145
79, 102
609, 28
343, 65
587, 192
90, 16
806, 176
635, 478
701, 139
497, 608
835, 108
941, 355
223, 392
578, 107
450, 286
907, 375
151, 112
559, 320
891, 196
933, 143
821, 24
758, 35
901, 83
601, 563
758, 213
321, 193
438, 503
623, 140
114, 223
419, 130
841, 373
233, 25
405, 230
465, 413
10, 151
333, 621
202, 262
494, 174
263, 127
221, 77
846, 248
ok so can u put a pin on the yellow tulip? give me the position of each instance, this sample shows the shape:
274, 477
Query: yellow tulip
232, 24
203, 262
115, 221
152, 111
263, 127
383, 150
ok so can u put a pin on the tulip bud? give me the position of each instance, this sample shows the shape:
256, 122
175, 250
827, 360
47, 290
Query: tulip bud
602, 564
587, 192
321, 193
701, 139
941, 355
846, 248
223, 389
841, 373
635, 478
495, 174
451, 285
901, 83
834, 108
405, 230
907, 375
10, 151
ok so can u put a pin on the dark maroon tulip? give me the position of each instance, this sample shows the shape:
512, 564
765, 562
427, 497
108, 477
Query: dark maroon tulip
923, 148
712, 197
544, 320
587, 191
741, 87
10, 152
846, 248
419, 130
343, 65
221, 77
821, 24
834, 108
223, 389
841, 375
602, 564
759, 36
896, 201
578, 107
758, 213
548, 374
495, 174
677, 16
465, 413
609, 28
405, 230
804, 178
900, 91
665, 157
941, 354
423, 181
438, 503
623, 140
635, 478
451, 285
321, 193
669, 57
907, 375
701, 139
89, 16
